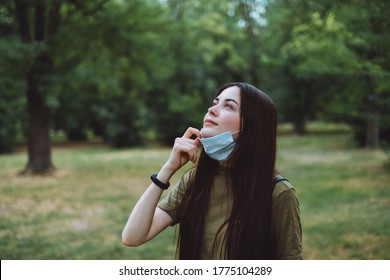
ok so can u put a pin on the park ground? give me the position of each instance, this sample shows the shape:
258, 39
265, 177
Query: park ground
79, 212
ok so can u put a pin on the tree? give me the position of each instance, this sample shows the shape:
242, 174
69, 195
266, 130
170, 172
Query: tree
202, 57
317, 57
211, 43
369, 21
332, 58
293, 93
38, 25
115, 62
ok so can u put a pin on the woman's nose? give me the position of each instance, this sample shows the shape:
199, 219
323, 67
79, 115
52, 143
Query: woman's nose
213, 110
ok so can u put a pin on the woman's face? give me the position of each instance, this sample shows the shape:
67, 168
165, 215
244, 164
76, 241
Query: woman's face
224, 114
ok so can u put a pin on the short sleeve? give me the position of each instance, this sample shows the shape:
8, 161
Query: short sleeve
170, 203
287, 228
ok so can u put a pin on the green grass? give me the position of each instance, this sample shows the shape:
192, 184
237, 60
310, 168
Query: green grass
79, 213
344, 195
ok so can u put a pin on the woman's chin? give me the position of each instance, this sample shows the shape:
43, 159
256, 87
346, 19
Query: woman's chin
208, 132
205, 132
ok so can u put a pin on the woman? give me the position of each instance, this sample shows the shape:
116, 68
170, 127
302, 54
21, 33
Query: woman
229, 206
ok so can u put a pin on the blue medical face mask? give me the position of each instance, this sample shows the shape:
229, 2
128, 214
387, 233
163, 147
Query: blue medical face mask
219, 147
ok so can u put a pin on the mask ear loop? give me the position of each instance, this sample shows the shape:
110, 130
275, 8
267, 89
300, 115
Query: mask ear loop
238, 131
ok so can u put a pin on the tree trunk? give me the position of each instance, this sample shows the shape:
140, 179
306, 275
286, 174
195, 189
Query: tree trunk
300, 105
299, 126
38, 134
372, 129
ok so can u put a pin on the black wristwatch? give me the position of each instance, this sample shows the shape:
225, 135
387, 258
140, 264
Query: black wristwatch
159, 183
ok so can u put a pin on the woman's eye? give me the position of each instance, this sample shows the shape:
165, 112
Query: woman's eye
229, 106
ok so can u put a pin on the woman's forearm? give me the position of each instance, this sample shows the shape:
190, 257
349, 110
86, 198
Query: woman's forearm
139, 224
145, 221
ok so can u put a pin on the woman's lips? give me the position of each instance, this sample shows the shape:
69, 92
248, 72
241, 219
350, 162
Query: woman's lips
210, 122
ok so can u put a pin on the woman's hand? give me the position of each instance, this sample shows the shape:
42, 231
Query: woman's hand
184, 150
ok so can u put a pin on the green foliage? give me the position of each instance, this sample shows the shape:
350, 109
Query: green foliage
182, 111
120, 121
369, 21
106, 77
11, 121
330, 60
320, 48
154, 66
12, 101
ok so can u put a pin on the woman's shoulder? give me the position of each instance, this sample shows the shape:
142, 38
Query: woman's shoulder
185, 179
187, 175
282, 185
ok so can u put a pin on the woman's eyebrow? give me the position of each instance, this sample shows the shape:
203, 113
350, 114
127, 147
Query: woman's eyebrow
229, 99
226, 100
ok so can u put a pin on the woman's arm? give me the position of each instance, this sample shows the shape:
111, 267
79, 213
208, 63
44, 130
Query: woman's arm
146, 219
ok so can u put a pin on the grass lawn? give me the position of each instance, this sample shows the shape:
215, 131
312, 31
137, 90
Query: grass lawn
79, 213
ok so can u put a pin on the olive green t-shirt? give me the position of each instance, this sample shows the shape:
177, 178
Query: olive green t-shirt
286, 216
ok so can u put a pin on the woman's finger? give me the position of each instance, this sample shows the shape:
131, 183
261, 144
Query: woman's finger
191, 131
187, 146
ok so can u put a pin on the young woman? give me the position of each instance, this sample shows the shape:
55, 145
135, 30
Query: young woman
232, 205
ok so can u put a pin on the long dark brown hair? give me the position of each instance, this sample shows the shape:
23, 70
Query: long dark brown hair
250, 173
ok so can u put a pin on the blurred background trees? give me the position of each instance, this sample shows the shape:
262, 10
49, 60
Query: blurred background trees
136, 71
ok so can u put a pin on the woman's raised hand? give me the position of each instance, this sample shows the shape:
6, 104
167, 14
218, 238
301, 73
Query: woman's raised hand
184, 149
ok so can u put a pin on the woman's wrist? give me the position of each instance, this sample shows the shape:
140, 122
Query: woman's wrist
158, 183
165, 174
